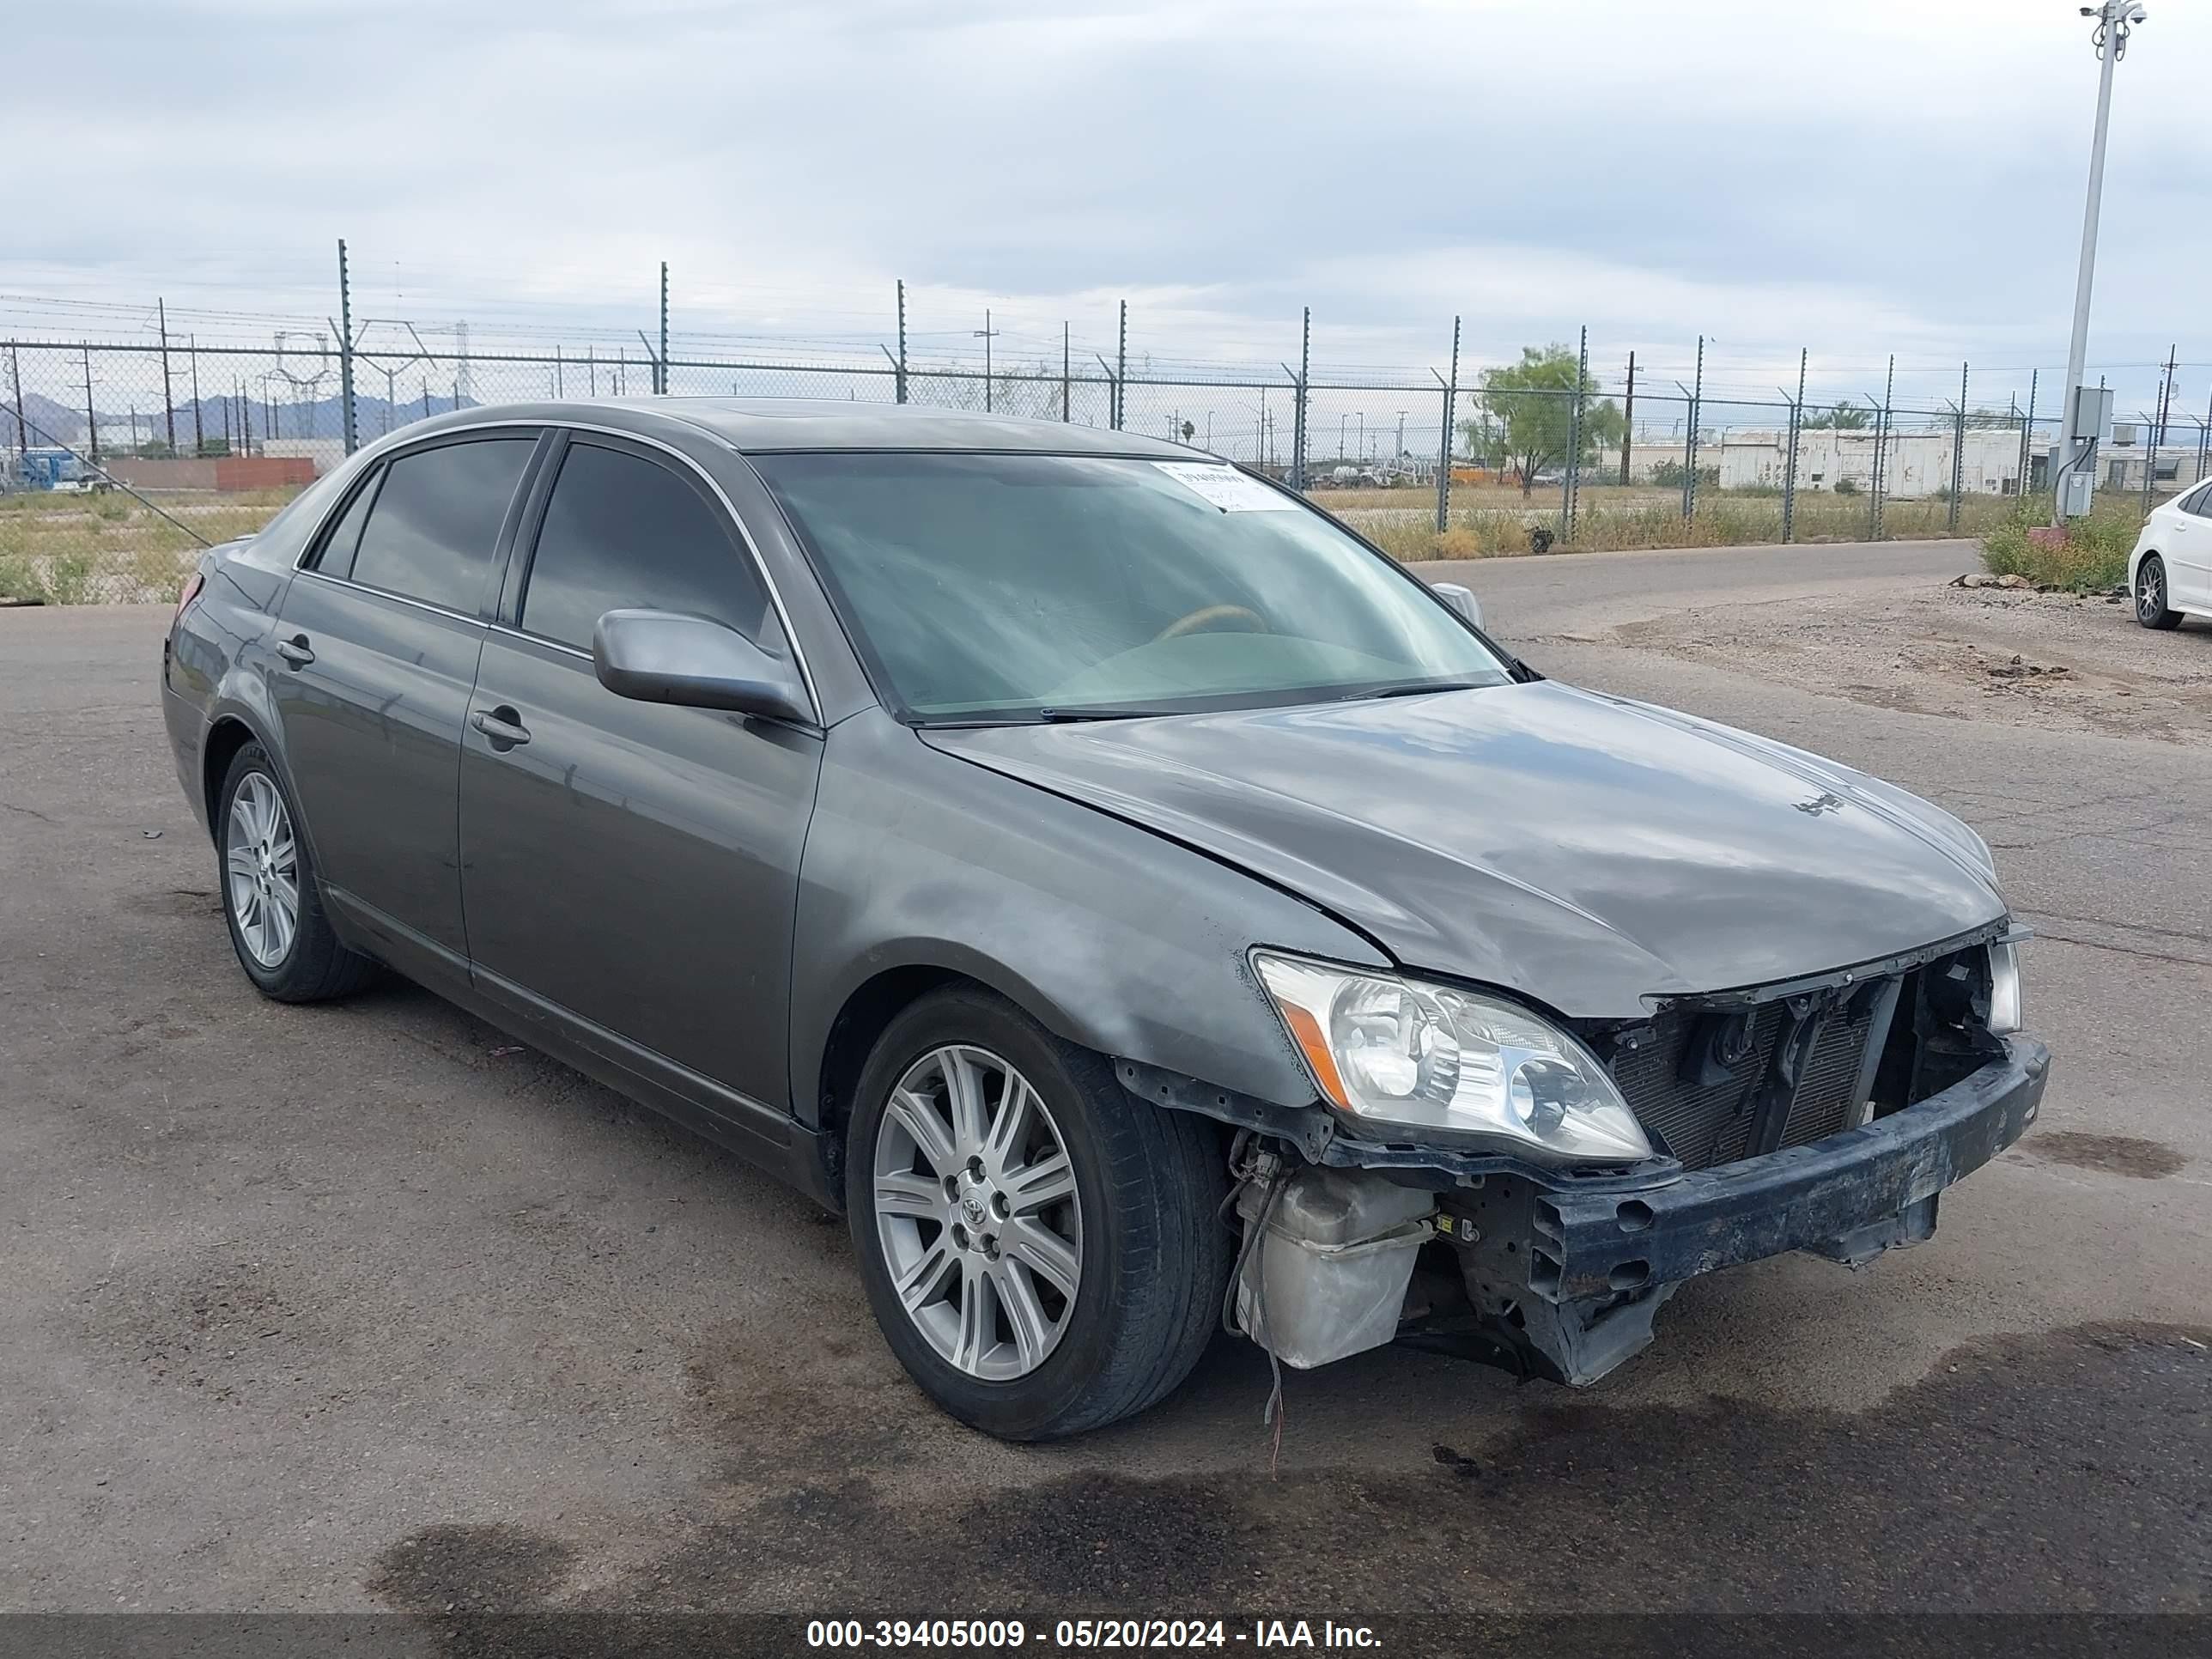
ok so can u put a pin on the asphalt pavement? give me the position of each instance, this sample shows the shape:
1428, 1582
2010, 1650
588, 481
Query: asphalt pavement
364, 1307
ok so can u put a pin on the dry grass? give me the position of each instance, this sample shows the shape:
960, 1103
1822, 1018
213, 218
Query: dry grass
109, 547
1494, 523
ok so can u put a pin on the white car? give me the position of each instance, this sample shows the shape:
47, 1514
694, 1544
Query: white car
2170, 572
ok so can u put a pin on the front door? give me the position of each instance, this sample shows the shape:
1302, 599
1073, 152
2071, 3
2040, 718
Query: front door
376, 646
2189, 560
631, 870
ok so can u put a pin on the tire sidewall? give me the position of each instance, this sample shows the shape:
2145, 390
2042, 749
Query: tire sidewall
252, 758
2145, 615
1027, 1407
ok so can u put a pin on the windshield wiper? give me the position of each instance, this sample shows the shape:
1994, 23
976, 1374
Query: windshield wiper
1414, 688
1057, 716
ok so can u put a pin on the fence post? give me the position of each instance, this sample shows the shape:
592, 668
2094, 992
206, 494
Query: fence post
898, 363
1878, 488
1573, 471
1789, 466
345, 353
1444, 446
22, 432
1628, 422
1697, 402
1121, 365
1305, 374
193, 357
168, 396
91, 419
663, 364
1958, 452
1067, 408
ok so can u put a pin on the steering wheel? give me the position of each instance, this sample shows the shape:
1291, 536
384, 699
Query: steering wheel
1209, 617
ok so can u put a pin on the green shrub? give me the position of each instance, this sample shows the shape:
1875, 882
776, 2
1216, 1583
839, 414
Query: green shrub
2093, 557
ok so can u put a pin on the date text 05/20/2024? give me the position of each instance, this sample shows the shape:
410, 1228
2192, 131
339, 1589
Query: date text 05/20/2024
1089, 1634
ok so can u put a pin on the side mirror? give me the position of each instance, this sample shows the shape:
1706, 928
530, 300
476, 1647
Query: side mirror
657, 656
1459, 599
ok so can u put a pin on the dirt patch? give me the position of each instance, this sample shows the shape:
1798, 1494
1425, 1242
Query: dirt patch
2126, 1155
470, 1569
2051, 660
1923, 1502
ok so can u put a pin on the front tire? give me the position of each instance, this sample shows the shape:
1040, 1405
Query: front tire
1043, 1251
271, 897
2151, 594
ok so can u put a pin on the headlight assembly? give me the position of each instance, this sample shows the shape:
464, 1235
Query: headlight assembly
2004, 987
1400, 1055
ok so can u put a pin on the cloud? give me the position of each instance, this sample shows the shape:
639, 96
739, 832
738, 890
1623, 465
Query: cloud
1862, 179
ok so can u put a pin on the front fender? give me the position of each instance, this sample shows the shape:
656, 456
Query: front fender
1110, 935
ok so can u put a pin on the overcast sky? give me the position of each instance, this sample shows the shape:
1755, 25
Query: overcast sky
1856, 176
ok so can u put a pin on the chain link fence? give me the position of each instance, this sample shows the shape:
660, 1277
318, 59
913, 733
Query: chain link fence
119, 462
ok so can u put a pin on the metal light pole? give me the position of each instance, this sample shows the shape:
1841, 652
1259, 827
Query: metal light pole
2115, 18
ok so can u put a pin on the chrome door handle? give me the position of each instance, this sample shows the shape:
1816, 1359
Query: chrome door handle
294, 651
502, 725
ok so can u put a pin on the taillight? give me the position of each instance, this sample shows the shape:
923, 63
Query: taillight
193, 583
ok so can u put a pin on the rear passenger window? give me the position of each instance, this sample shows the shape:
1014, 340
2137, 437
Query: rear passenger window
2201, 505
336, 556
435, 524
623, 532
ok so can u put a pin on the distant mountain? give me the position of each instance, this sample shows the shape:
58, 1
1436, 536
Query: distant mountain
52, 422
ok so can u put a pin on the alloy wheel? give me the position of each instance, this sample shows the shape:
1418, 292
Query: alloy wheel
261, 864
2150, 589
977, 1213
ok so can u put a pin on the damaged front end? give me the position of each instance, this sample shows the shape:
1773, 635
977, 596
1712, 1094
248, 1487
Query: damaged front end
1824, 1114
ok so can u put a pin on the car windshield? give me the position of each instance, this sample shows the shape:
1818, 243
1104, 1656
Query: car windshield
1030, 587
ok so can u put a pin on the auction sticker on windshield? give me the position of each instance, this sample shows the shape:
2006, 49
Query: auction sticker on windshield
1226, 488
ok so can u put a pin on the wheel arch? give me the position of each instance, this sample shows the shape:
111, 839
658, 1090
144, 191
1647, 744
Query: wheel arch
867, 1010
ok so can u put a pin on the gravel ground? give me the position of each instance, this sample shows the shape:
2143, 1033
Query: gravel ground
2051, 661
362, 1308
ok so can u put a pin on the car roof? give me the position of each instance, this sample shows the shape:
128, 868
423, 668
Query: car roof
765, 425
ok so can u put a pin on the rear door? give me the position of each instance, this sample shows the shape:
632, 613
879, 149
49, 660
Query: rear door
377, 641
631, 869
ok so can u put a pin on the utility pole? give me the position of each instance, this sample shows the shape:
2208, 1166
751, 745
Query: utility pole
1628, 422
168, 397
1697, 404
1881, 447
2026, 435
664, 328
2115, 19
1066, 413
192, 354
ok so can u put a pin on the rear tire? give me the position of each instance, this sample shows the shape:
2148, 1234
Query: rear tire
1147, 1187
2151, 593
287, 947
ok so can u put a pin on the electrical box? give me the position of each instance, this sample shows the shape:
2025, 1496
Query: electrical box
2075, 487
2092, 414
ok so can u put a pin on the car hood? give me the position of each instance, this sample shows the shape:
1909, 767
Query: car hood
1587, 851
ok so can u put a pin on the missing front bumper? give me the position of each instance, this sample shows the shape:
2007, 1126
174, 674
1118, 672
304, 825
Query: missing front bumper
1578, 1276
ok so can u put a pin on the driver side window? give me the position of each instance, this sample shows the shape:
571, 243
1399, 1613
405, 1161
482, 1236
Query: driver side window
624, 532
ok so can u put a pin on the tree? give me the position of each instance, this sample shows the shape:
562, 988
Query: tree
1526, 414
1842, 417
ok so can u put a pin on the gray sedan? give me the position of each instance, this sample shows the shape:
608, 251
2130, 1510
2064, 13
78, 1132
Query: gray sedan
1138, 903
